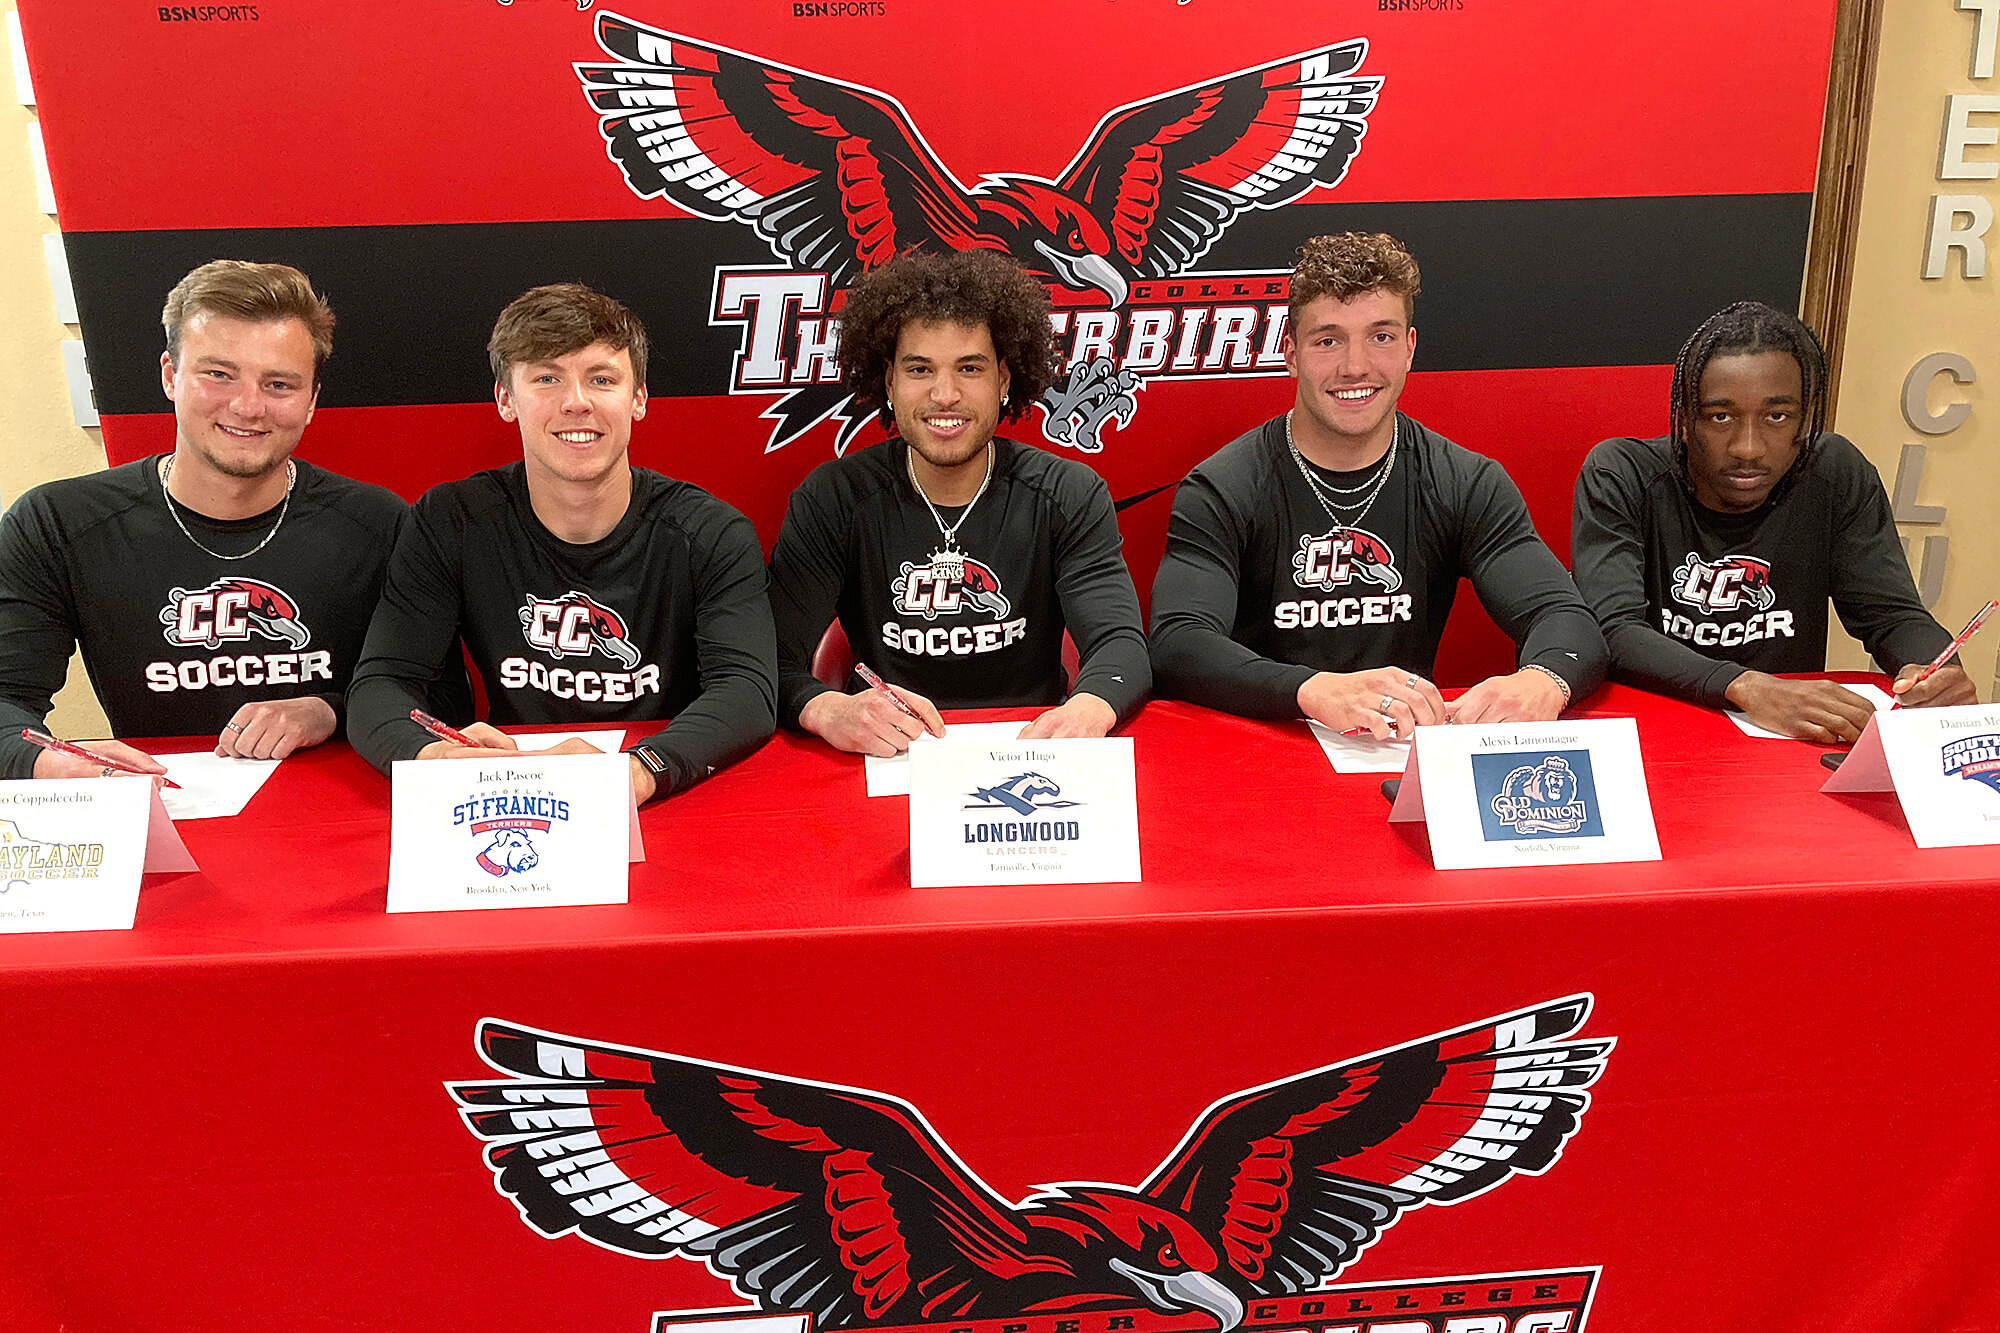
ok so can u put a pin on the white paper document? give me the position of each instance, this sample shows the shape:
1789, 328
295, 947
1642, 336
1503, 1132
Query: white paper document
213, 786
1024, 812
1874, 694
891, 777
1360, 754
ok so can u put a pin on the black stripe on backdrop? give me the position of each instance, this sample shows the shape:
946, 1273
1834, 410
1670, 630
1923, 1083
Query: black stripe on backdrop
1507, 284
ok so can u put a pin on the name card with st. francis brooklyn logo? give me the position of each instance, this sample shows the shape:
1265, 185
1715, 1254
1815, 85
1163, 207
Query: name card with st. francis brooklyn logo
525, 831
1526, 794
1023, 812
1942, 763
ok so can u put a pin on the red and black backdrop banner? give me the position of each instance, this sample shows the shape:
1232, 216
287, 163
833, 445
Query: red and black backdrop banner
1582, 183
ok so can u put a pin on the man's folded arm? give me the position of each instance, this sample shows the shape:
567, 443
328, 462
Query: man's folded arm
1194, 606
736, 654
411, 653
1100, 607
1525, 588
36, 634
807, 567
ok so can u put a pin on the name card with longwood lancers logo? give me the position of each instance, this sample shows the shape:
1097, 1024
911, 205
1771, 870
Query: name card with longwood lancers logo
71, 853
1530, 794
1024, 812
538, 831
1942, 763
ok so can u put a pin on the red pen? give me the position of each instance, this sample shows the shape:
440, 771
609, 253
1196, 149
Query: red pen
48, 742
441, 731
1971, 628
876, 682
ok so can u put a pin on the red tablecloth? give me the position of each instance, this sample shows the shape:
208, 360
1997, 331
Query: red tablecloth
234, 1115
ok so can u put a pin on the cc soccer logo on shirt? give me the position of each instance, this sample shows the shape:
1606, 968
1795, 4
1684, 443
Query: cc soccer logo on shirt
235, 611
578, 625
833, 1207
1336, 559
1720, 587
950, 583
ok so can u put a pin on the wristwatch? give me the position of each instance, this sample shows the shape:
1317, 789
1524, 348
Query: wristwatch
645, 754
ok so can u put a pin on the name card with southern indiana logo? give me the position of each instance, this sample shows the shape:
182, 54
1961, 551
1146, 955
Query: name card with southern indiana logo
1942, 763
71, 853
1527, 794
1023, 812
537, 831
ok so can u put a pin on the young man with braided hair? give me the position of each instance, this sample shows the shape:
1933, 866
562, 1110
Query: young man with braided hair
1311, 563
1710, 553
954, 558
222, 589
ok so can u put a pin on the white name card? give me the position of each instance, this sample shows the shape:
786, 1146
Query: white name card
72, 851
1942, 763
1530, 794
533, 831
1023, 812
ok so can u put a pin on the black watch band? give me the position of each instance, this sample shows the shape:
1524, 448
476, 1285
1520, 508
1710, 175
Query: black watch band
645, 754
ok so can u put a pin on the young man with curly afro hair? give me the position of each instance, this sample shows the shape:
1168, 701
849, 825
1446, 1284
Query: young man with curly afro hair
954, 558
1311, 563
1710, 553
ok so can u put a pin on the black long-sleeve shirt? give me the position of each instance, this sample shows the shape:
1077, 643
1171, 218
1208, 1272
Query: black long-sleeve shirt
1260, 588
176, 640
664, 616
1041, 554
1690, 598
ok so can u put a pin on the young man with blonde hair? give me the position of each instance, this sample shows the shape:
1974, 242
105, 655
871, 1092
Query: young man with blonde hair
1311, 563
222, 589
582, 588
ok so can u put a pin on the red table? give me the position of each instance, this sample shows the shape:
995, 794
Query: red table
235, 1115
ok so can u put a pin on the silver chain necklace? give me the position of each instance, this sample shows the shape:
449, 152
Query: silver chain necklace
1374, 485
291, 480
950, 554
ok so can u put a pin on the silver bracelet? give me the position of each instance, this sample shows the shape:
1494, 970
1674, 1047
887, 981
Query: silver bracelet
1551, 674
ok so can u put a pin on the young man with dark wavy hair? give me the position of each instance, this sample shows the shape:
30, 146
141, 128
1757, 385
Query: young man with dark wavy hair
222, 589
1710, 553
1311, 563
954, 558
582, 588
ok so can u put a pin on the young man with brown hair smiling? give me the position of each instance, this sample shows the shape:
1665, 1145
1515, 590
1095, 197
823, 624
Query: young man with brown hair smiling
583, 589
954, 558
221, 589
1311, 563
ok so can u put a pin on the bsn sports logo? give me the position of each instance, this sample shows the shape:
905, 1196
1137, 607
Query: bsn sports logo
1333, 559
838, 179
577, 625
230, 611
501, 825
1976, 758
843, 1206
1728, 584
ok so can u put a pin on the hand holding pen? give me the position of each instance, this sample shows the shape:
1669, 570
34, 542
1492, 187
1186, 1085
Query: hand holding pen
1952, 686
108, 759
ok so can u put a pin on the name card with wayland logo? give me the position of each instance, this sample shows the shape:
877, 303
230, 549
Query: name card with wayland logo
71, 853
1942, 763
1530, 794
1023, 812
538, 831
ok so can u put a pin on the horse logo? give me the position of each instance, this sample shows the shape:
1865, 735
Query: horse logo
1021, 793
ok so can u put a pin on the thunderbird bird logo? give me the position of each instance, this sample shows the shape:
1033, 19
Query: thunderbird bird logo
844, 1203
837, 178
